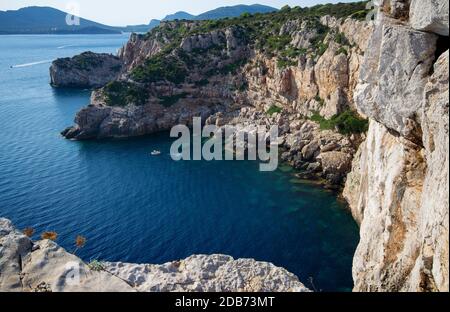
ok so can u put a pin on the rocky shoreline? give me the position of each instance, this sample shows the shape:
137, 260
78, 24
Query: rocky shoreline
316, 79
259, 91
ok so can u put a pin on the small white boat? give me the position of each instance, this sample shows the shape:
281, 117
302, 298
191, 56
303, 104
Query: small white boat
156, 153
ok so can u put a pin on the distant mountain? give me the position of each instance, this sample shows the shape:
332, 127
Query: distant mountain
141, 28
234, 11
222, 12
154, 23
46, 20
179, 16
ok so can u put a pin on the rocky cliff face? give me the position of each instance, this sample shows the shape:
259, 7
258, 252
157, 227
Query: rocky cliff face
303, 65
284, 67
43, 266
398, 187
87, 70
307, 75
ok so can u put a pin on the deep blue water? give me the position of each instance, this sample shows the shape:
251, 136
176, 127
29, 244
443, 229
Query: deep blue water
136, 208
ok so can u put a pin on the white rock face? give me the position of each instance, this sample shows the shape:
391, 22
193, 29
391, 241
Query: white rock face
389, 198
45, 266
393, 77
201, 273
432, 264
13, 247
398, 187
430, 15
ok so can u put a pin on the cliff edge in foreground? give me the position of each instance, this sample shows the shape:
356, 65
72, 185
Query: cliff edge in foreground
43, 266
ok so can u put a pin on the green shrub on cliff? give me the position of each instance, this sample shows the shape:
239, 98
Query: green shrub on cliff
159, 68
168, 101
347, 122
83, 61
274, 110
262, 32
342, 50
341, 39
286, 62
121, 93
339, 10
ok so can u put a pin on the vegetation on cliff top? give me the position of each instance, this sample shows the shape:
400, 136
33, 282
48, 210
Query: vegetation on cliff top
160, 68
84, 61
121, 93
263, 32
274, 110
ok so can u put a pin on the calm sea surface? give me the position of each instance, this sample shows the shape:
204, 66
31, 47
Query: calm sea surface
135, 208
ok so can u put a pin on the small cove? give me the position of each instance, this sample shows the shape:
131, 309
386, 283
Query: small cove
135, 208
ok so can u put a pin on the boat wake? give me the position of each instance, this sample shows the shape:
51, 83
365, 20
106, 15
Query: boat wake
31, 64
66, 46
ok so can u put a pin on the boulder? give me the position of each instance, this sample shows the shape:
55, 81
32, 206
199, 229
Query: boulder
202, 273
430, 15
310, 150
335, 162
51, 266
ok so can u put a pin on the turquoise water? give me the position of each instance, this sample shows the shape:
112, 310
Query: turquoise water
136, 208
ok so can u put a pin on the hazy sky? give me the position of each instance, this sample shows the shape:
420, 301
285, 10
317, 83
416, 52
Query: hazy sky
129, 12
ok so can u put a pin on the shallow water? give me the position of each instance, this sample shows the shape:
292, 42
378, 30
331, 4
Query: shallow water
136, 208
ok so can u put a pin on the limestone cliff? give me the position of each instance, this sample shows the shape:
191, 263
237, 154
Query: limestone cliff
287, 68
183, 69
398, 188
87, 70
307, 73
43, 266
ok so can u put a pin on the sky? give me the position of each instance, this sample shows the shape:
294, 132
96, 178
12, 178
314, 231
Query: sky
134, 12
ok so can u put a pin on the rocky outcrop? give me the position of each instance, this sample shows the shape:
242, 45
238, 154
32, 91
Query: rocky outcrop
391, 80
87, 70
430, 16
43, 266
200, 273
101, 121
398, 187
324, 156
237, 74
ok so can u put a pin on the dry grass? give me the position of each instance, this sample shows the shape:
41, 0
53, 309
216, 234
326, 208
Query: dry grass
28, 232
50, 235
80, 241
